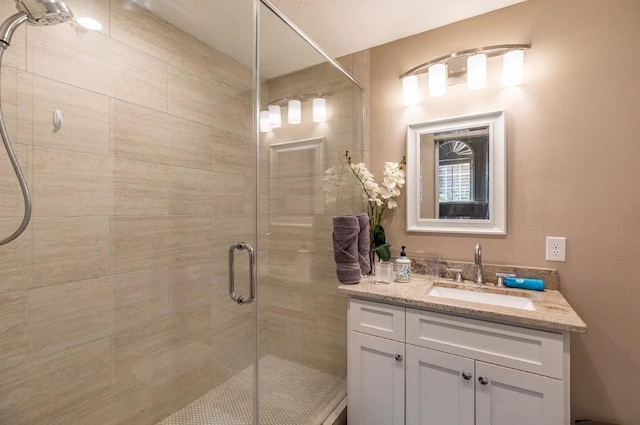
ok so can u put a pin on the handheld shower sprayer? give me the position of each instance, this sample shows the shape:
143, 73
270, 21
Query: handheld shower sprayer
33, 12
45, 12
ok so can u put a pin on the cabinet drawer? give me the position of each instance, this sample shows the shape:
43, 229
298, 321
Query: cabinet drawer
384, 320
520, 348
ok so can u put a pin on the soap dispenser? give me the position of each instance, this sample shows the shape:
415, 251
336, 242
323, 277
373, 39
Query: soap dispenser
403, 267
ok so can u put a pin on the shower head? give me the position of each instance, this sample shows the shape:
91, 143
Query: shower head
44, 12
34, 12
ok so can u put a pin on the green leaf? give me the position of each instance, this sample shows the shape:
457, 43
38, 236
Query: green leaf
379, 237
383, 252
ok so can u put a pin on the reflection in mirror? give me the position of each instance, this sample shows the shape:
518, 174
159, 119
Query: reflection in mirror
461, 168
296, 171
455, 180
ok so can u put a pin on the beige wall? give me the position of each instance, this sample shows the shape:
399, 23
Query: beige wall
113, 304
573, 168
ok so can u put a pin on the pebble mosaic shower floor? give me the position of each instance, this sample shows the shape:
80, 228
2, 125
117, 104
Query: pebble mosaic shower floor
291, 394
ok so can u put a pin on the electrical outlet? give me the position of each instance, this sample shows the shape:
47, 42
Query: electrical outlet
556, 249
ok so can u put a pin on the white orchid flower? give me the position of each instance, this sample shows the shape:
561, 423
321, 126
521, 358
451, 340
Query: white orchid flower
380, 197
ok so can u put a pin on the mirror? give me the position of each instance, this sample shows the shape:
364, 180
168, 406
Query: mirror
456, 175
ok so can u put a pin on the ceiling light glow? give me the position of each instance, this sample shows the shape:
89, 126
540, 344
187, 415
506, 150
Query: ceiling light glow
89, 23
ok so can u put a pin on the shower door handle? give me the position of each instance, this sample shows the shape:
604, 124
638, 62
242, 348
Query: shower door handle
241, 299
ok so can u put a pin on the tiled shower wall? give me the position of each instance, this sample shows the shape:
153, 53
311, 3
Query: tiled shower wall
106, 310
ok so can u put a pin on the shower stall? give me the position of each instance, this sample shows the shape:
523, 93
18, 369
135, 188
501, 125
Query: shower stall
154, 187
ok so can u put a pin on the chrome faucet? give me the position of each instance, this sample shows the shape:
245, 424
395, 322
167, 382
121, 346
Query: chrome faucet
478, 260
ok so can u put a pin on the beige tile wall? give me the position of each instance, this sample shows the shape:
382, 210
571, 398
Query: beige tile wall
113, 303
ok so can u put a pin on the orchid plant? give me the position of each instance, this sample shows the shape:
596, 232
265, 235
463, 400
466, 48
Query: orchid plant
380, 198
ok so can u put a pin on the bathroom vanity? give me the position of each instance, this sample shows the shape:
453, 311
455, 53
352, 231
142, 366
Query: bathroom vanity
416, 356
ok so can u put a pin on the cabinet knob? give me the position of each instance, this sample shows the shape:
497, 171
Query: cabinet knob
483, 380
466, 375
398, 357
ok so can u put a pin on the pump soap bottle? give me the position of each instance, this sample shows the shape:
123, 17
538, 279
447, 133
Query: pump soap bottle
403, 267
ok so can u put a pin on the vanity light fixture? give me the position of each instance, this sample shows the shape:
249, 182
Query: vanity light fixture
275, 118
437, 79
512, 67
272, 117
294, 111
319, 109
410, 90
471, 63
265, 123
477, 71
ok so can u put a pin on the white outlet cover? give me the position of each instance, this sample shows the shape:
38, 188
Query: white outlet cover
556, 249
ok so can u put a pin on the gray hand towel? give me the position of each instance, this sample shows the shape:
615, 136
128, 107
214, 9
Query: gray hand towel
345, 248
364, 244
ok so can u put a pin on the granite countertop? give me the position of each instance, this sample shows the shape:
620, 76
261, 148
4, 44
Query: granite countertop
552, 312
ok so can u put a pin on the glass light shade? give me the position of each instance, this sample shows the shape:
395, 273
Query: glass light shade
410, 89
477, 71
265, 124
437, 80
275, 118
89, 23
294, 112
512, 67
319, 109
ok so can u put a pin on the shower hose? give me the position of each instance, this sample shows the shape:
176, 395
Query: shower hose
17, 170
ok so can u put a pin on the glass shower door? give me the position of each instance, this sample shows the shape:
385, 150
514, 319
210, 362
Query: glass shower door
311, 114
227, 195
116, 300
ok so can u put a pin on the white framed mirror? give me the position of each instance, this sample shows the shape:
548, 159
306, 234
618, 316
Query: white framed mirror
456, 175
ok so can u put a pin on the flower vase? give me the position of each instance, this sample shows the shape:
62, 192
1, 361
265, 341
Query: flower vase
384, 272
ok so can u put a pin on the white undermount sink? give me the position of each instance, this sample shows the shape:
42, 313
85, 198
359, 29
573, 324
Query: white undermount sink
502, 300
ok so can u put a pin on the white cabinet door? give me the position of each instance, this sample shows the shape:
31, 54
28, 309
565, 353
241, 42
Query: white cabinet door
440, 388
375, 380
507, 396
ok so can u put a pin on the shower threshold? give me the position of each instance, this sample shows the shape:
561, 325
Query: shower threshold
290, 394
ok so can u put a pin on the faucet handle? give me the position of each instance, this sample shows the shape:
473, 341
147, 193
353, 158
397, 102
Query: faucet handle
457, 274
500, 278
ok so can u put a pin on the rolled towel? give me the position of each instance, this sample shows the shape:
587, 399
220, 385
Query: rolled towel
345, 248
364, 244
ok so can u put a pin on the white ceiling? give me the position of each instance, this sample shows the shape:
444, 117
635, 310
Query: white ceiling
346, 26
339, 27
